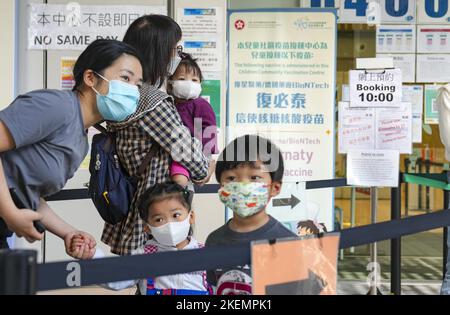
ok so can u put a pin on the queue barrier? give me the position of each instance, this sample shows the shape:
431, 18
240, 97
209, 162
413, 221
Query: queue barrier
52, 276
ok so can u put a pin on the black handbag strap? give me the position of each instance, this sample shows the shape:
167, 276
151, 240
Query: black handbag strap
148, 158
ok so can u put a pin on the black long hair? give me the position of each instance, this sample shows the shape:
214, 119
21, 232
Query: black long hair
98, 56
154, 36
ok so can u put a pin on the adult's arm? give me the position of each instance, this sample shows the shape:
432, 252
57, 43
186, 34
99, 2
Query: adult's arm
19, 221
164, 125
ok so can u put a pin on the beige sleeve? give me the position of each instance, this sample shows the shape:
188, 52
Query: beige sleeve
443, 103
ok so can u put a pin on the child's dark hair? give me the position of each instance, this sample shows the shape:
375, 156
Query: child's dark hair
246, 151
313, 227
98, 56
158, 192
190, 64
154, 36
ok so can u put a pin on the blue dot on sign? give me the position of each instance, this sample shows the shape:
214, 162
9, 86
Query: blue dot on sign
409, 18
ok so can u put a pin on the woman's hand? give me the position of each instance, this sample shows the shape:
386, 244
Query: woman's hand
21, 222
80, 245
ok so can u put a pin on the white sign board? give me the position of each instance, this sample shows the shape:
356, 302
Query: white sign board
398, 11
396, 39
371, 88
433, 12
406, 63
203, 36
74, 26
268, 52
394, 129
433, 68
290, 205
433, 39
375, 128
373, 168
414, 94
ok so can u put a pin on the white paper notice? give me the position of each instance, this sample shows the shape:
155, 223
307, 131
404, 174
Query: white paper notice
414, 94
396, 39
375, 128
373, 88
406, 63
394, 129
433, 68
373, 168
433, 39
417, 128
202, 36
356, 128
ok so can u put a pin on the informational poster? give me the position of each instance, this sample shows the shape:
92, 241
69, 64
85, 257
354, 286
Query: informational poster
433, 12
396, 39
373, 168
375, 128
203, 36
433, 39
73, 26
417, 121
394, 129
269, 50
356, 128
372, 88
67, 79
433, 68
406, 63
431, 109
306, 266
414, 94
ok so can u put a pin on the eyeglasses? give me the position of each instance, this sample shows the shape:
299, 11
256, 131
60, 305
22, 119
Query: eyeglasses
179, 49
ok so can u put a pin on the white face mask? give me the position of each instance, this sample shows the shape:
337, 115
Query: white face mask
186, 90
173, 65
172, 233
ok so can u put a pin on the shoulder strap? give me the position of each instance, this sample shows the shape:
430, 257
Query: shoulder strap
101, 129
148, 158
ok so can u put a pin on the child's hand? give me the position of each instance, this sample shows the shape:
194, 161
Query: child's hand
77, 242
80, 245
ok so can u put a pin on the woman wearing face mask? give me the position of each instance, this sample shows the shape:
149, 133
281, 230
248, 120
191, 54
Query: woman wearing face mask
43, 139
185, 86
155, 123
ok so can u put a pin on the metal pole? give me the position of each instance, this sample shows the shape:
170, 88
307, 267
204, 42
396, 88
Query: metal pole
18, 272
419, 164
373, 247
445, 238
407, 163
396, 252
427, 188
352, 213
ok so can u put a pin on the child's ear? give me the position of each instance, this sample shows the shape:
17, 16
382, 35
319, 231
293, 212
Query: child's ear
146, 228
192, 217
275, 189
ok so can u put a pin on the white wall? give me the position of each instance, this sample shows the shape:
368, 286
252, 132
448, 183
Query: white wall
7, 54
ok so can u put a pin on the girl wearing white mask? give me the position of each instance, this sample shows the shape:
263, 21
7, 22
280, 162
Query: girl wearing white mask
195, 112
166, 209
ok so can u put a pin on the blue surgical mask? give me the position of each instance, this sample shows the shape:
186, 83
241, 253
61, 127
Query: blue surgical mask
120, 102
